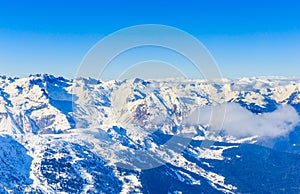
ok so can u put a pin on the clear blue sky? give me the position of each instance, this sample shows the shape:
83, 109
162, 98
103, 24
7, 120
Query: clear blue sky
247, 38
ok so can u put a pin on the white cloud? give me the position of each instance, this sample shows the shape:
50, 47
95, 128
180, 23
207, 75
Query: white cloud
240, 122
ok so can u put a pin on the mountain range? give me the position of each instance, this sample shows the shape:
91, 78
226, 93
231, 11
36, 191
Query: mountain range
149, 136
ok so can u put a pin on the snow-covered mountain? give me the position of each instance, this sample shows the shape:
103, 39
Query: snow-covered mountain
138, 136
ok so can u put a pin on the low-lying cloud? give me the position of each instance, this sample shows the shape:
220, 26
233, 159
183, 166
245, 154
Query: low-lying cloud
240, 122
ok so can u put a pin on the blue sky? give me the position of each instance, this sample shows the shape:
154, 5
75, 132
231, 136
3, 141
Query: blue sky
247, 38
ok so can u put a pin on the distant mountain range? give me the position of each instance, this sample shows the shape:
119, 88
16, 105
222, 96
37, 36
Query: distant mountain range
146, 136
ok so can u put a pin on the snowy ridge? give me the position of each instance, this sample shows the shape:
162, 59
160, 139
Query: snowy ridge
46, 104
